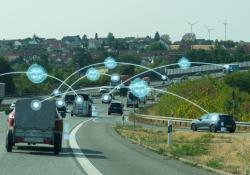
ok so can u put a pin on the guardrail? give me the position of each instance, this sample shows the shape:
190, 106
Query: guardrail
182, 120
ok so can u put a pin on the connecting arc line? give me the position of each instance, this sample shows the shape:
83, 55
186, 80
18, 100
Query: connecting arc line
76, 90
77, 71
170, 93
168, 65
50, 76
73, 90
83, 78
144, 67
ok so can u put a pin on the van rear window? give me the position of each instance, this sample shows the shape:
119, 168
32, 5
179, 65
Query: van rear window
226, 117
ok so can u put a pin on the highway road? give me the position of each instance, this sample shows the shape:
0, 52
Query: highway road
103, 150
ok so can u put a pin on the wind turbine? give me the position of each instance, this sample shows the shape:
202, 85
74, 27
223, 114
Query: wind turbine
191, 25
209, 30
225, 24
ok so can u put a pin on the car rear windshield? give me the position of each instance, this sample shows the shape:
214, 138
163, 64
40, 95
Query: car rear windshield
116, 105
226, 117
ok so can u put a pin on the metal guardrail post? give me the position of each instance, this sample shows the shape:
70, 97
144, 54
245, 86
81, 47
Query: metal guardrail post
170, 130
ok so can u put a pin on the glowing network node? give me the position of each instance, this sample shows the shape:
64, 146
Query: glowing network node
164, 77
36, 74
79, 100
36, 105
93, 74
184, 63
56, 92
139, 88
60, 103
106, 97
115, 78
110, 63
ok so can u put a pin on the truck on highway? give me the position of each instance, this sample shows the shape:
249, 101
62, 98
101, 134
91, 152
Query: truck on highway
147, 79
2, 91
132, 100
123, 91
124, 79
228, 68
26, 125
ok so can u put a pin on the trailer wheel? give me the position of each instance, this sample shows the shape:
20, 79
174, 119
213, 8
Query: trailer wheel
57, 143
9, 141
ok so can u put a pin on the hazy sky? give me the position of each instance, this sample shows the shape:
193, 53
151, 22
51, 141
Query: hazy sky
56, 18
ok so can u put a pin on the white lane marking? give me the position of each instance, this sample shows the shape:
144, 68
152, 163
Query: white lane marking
86, 165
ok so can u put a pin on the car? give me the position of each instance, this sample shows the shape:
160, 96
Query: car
115, 107
26, 125
108, 100
214, 122
104, 90
70, 98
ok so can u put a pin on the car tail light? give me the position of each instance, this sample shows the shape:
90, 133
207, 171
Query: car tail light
18, 139
47, 141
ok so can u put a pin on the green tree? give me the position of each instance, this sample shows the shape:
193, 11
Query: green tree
157, 36
7, 79
96, 35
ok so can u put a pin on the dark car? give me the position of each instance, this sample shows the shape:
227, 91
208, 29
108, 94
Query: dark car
115, 107
214, 122
70, 98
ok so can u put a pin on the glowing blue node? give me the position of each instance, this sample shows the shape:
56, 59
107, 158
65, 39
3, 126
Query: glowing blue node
115, 78
139, 88
106, 98
93, 74
110, 63
36, 105
164, 77
79, 100
184, 63
36, 74
56, 93
60, 103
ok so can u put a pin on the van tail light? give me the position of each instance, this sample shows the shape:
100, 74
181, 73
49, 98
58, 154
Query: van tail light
58, 125
18, 139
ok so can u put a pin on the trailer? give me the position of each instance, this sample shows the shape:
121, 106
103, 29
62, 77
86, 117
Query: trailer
25, 125
2, 92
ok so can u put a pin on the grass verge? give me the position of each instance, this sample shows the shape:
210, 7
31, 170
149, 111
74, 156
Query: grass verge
222, 152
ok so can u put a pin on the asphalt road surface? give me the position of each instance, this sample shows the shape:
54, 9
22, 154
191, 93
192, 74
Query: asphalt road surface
109, 153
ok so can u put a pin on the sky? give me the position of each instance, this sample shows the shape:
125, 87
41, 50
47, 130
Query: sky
58, 18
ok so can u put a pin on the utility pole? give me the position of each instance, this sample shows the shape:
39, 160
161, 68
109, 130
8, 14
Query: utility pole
225, 24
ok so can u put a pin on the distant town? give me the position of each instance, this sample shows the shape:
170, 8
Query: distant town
146, 49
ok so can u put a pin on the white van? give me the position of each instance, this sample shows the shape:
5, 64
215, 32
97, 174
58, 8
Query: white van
84, 108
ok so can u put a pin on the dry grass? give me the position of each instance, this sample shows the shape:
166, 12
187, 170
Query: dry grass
220, 151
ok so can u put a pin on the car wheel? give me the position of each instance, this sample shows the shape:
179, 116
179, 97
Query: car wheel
109, 113
9, 141
194, 127
213, 128
232, 130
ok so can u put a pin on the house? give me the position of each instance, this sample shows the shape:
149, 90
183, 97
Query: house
95, 43
72, 41
202, 47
